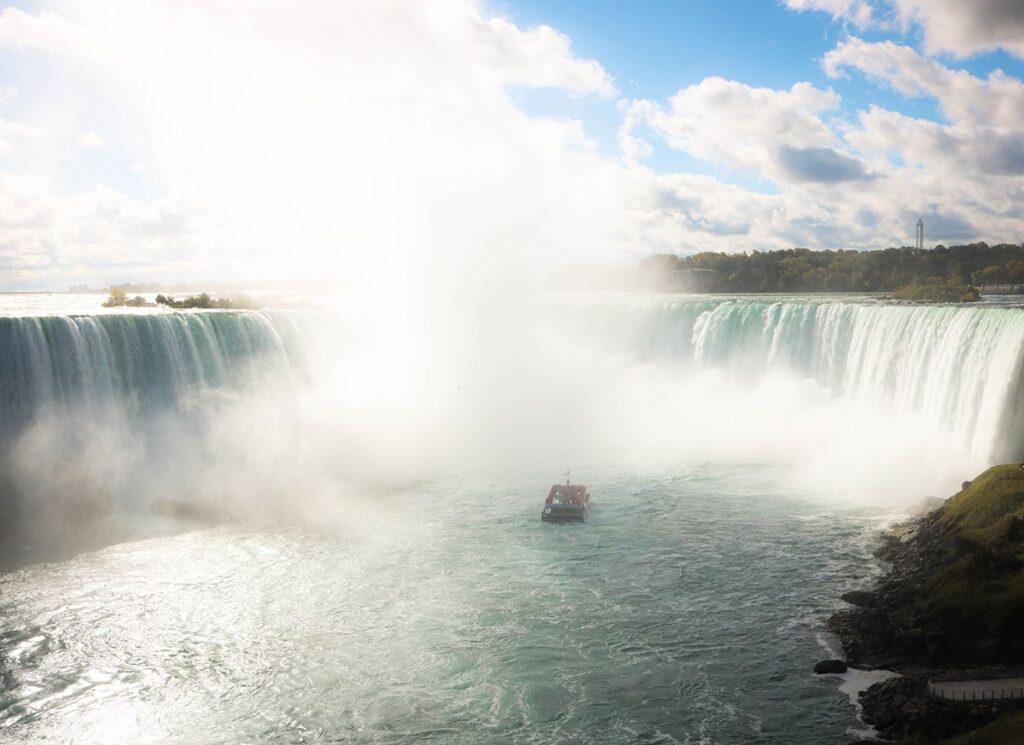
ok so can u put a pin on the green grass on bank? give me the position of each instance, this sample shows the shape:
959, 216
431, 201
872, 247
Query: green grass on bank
977, 589
966, 611
938, 293
1008, 729
994, 497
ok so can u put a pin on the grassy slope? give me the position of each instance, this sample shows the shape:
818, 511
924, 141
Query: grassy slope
978, 589
996, 493
1008, 729
982, 582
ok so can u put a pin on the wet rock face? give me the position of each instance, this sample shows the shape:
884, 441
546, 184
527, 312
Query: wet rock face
951, 601
898, 625
867, 637
903, 708
830, 666
860, 598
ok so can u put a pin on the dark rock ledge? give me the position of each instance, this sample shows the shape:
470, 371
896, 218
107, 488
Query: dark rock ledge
952, 606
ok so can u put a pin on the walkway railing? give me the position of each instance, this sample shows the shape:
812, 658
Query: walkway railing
990, 692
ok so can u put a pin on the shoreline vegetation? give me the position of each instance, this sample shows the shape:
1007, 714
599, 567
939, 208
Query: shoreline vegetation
939, 274
204, 301
118, 298
954, 274
949, 293
951, 608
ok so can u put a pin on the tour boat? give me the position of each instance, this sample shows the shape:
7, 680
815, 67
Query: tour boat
566, 503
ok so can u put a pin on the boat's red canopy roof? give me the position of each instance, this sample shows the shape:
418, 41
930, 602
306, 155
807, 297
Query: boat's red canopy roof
572, 493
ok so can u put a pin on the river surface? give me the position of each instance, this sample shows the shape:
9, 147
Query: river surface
688, 609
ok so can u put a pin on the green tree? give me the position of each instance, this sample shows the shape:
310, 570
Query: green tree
117, 298
990, 275
1015, 271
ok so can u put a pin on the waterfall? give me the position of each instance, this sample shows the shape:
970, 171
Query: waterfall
152, 360
127, 407
957, 366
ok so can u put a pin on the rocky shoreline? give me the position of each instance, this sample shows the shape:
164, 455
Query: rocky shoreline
950, 607
903, 708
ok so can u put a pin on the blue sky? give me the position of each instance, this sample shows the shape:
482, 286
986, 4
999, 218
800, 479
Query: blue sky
656, 47
168, 140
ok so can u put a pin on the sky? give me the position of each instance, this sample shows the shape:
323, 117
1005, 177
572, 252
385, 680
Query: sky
472, 142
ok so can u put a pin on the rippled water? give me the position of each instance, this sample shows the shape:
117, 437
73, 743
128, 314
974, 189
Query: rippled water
688, 609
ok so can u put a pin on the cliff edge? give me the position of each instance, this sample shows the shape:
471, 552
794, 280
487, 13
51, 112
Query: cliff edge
952, 606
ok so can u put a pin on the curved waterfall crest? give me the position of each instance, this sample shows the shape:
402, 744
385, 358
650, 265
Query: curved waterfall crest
153, 359
958, 366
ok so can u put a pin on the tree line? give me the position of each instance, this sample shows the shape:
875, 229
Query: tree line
204, 301
118, 298
804, 270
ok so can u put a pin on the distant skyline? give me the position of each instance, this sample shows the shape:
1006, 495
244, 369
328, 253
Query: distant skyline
397, 140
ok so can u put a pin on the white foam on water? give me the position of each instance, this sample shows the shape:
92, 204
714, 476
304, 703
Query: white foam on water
854, 682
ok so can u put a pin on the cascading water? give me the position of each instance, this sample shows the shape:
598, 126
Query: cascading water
154, 359
96, 410
959, 367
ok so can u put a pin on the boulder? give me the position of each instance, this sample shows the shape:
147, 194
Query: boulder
830, 666
860, 598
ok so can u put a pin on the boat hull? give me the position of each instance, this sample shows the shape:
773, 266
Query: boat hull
555, 515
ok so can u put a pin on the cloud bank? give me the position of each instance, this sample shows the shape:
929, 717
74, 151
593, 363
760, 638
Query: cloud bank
383, 144
957, 27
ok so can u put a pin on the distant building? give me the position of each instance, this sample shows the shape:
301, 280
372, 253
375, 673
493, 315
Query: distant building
919, 236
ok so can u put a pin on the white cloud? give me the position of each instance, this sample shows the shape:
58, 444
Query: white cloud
965, 153
771, 133
94, 235
965, 27
11, 132
333, 139
964, 179
47, 32
539, 57
960, 27
91, 140
995, 101
983, 137
870, 177
379, 140
858, 11
8, 93
736, 124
